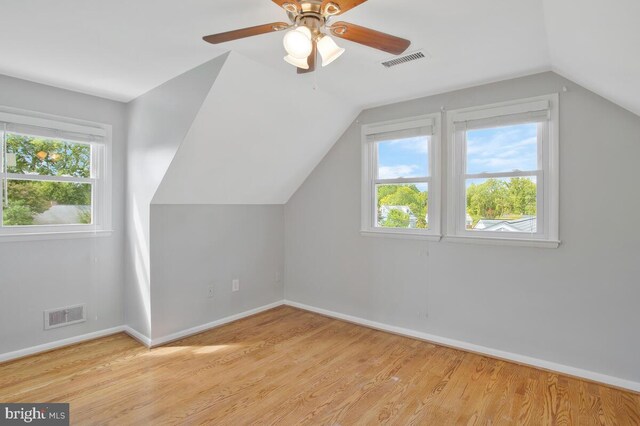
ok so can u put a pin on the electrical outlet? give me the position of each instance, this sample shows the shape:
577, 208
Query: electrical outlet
235, 285
210, 294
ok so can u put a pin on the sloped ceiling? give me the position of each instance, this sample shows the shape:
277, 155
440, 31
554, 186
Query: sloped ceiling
597, 44
122, 48
255, 139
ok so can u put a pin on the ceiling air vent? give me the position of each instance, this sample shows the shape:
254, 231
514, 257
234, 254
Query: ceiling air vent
64, 316
404, 59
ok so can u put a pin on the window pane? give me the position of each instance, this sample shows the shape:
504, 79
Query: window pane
503, 149
47, 203
403, 158
502, 205
402, 206
45, 156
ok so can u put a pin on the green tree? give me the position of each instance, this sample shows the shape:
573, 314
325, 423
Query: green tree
66, 193
17, 214
495, 198
405, 195
396, 219
487, 200
49, 157
522, 196
27, 193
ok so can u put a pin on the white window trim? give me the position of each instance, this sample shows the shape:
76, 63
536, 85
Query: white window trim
548, 201
369, 167
102, 189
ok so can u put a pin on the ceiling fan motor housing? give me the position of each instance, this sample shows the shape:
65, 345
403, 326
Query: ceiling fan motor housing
313, 22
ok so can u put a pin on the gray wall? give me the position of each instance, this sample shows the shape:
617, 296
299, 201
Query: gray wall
39, 275
194, 247
158, 123
576, 305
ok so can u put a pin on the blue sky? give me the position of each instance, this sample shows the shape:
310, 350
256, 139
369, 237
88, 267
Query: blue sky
501, 149
403, 158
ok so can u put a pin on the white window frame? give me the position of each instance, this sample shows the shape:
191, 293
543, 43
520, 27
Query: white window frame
546, 112
95, 134
370, 178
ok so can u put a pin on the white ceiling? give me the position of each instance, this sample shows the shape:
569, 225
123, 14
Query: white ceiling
121, 48
597, 45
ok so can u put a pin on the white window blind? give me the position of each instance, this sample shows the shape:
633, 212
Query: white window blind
75, 136
502, 116
400, 134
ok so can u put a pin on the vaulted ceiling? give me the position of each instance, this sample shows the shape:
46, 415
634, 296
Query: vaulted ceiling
252, 142
121, 48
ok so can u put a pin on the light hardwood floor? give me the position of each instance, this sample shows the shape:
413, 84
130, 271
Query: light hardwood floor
290, 367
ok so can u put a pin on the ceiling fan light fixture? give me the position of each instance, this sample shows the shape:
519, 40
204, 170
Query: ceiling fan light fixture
306, 33
298, 43
329, 50
297, 62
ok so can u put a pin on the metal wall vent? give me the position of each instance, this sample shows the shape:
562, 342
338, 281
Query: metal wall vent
404, 59
64, 316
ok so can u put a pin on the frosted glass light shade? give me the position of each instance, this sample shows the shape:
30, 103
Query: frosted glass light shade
329, 50
304, 30
297, 42
297, 62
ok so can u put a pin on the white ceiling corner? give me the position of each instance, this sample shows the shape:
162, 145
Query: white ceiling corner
595, 44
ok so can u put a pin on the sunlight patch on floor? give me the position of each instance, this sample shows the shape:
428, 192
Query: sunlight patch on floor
195, 349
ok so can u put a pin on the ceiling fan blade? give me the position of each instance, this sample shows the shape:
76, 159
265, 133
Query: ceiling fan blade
311, 60
245, 32
344, 5
371, 38
289, 5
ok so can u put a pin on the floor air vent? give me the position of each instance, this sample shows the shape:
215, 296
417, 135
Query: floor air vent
64, 316
404, 59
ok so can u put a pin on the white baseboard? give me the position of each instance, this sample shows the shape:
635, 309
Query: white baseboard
495, 353
138, 336
470, 347
217, 323
145, 340
59, 344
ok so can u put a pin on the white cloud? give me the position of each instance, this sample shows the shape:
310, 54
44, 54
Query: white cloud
419, 145
401, 170
504, 149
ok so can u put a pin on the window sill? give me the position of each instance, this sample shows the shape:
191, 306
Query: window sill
518, 242
400, 234
7, 238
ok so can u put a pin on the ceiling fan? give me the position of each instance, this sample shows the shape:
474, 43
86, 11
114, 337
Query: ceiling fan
308, 35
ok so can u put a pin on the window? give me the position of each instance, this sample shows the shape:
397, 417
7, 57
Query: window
54, 176
504, 171
400, 178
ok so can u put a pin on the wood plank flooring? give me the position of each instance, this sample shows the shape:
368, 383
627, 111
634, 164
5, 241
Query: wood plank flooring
292, 367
